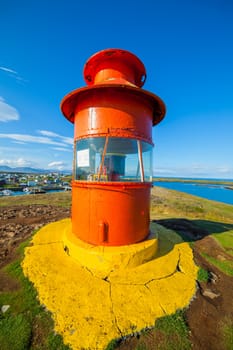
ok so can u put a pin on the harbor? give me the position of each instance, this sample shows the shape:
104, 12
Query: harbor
15, 191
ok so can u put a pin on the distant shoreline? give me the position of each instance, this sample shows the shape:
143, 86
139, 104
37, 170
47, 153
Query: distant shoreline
227, 183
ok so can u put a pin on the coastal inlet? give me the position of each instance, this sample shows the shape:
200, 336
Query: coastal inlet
15, 191
216, 190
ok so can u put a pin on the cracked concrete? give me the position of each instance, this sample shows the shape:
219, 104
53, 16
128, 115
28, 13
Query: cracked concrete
92, 307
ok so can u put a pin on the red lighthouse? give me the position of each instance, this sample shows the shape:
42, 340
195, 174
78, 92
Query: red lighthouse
112, 177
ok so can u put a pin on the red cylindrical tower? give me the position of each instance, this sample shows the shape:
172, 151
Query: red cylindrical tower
113, 119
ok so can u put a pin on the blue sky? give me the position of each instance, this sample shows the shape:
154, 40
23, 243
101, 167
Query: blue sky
187, 50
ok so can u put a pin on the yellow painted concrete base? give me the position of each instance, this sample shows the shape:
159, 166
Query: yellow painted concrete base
89, 307
104, 258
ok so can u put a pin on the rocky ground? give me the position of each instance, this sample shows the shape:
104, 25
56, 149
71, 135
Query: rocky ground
17, 224
212, 305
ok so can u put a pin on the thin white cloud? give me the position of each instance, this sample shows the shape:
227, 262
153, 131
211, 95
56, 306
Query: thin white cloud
225, 169
217, 170
31, 138
7, 112
19, 142
196, 171
8, 70
5, 161
67, 140
20, 162
58, 163
12, 73
62, 149
48, 133
23, 162
158, 171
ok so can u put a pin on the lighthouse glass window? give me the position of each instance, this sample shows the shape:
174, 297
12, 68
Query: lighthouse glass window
113, 159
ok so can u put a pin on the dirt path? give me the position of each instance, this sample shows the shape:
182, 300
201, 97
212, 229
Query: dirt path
212, 305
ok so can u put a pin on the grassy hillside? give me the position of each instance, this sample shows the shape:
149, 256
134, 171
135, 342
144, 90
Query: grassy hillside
55, 198
164, 204
173, 204
27, 325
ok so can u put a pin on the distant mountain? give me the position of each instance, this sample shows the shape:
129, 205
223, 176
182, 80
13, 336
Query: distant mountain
5, 168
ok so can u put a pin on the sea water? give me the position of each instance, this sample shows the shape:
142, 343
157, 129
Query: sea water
209, 191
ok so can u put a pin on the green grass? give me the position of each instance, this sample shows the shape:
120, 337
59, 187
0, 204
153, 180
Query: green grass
226, 266
25, 314
112, 345
15, 332
57, 199
226, 331
170, 333
203, 275
174, 333
142, 346
225, 239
